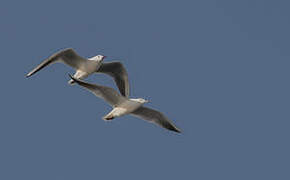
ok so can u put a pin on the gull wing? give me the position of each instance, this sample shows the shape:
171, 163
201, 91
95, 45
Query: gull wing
156, 117
119, 73
110, 95
66, 56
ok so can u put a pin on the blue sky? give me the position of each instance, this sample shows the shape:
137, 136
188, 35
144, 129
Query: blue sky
218, 69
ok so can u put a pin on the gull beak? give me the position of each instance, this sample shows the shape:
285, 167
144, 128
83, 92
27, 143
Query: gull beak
104, 57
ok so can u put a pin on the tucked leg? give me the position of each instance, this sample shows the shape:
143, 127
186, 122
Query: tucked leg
116, 112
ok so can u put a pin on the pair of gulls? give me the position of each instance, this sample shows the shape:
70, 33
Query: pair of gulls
121, 103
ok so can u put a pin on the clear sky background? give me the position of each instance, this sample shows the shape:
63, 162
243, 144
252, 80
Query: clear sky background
218, 68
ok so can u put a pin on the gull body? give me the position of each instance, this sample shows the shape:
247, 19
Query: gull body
85, 67
123, 105
126, 107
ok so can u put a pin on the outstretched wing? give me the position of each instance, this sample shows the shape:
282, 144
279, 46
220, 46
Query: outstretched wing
110, 95
156, 117
67, 56
119, 73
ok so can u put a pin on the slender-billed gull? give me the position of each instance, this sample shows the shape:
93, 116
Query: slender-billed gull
123, 105
85, 67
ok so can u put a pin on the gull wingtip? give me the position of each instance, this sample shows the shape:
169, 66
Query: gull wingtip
69, 75
73, 79
177, 130
28, 74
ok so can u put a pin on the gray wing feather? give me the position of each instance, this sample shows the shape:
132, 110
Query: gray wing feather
110, 95
119, 73
156, 117
67, 56
71, 58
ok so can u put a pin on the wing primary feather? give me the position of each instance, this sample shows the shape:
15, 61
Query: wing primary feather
156, 117
39, 67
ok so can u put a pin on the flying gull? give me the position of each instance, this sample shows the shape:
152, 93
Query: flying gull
123, 105
85, 67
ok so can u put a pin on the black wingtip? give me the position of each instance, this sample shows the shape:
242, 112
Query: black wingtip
72, 78
28, 75
75, 80
176, 130
171, 127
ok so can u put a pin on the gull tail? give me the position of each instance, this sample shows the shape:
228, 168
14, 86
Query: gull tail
86, 85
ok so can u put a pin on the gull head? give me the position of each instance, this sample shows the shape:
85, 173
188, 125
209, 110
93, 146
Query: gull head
97, 58
140, 100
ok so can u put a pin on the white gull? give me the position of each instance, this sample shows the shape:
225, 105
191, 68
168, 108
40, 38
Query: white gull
123, 105
85, 67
